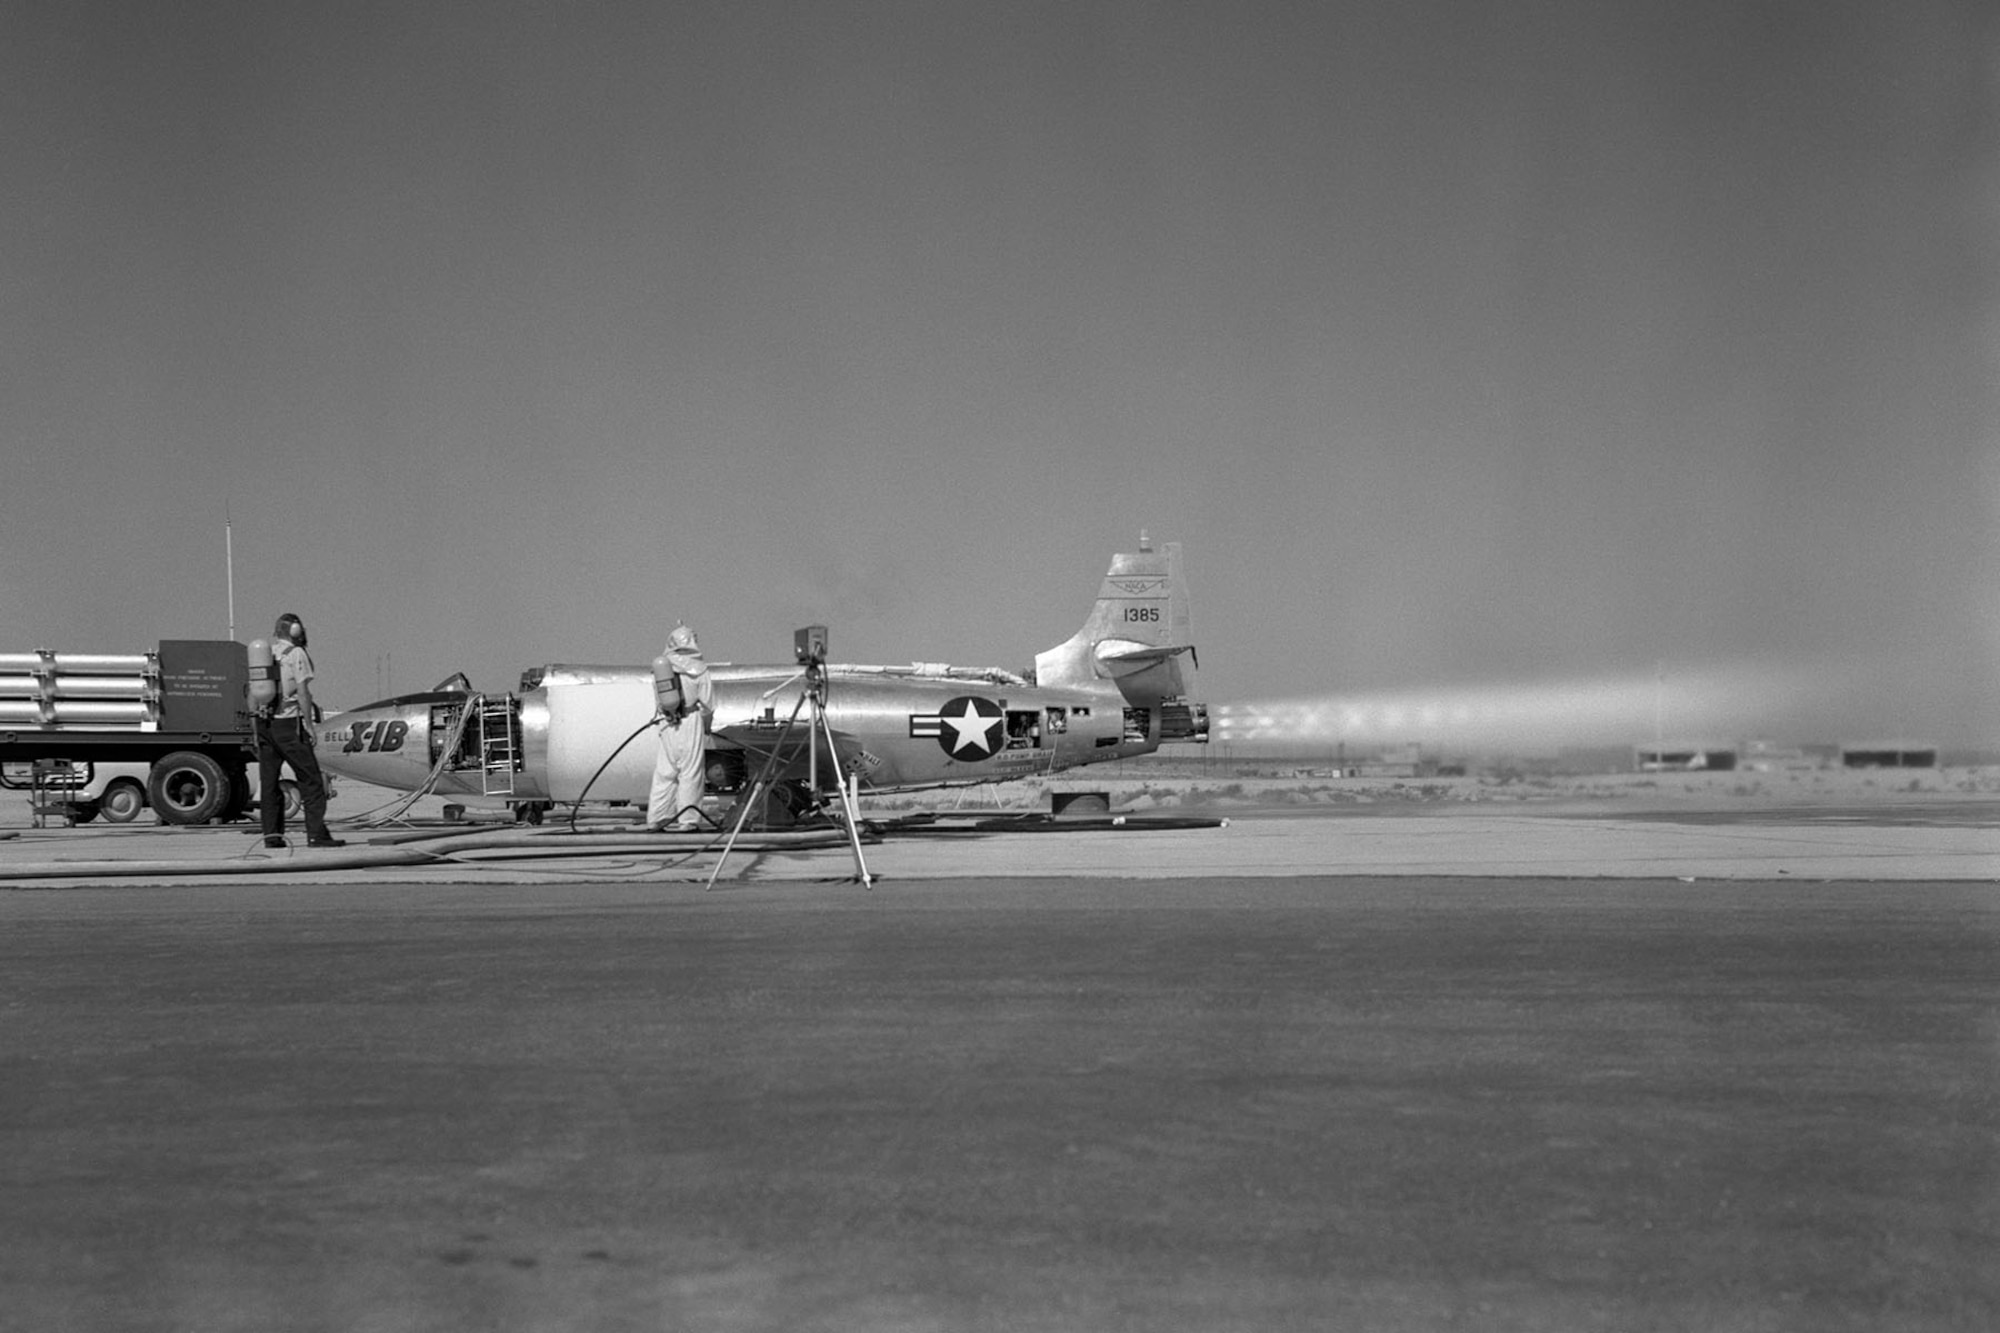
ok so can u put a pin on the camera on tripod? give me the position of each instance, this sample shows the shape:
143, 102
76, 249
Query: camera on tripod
809, 647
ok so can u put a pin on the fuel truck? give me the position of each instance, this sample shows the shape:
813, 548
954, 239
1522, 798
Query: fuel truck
180, 710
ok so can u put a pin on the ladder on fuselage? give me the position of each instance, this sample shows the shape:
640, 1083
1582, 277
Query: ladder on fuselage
496, 745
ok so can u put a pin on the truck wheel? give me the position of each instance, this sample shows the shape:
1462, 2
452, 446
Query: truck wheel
295, 804
122, 801
188, 787
241, 789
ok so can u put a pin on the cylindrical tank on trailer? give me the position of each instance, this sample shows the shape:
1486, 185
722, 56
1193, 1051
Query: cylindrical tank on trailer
91, 687
75, 712
100, 664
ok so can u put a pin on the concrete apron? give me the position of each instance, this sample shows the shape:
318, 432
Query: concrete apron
1432, 844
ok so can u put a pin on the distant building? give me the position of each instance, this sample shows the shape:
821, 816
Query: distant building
1768, 757
1889, 754
1582, 760
1398, 762
1689, 757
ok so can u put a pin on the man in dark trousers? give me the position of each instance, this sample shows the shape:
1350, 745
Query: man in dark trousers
285, 735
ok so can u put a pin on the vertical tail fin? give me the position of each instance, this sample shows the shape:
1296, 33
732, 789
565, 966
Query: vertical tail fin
1136, 632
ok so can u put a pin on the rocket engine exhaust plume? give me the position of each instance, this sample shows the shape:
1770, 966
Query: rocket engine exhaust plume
1545, 716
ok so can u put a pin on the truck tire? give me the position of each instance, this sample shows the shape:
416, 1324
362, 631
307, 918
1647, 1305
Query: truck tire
241, 789
188, 787
295, 804
122, 801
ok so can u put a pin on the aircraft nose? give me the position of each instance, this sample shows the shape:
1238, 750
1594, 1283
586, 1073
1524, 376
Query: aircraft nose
368, 743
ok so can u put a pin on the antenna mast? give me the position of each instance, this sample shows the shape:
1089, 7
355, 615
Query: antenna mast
229, 561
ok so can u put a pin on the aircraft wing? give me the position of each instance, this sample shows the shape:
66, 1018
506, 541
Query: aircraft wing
759, 739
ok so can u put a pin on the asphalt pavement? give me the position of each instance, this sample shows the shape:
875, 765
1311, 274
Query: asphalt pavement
1394, 1103
1718, 1066
1935, 838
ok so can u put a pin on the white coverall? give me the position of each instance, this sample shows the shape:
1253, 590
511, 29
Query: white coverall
678, 773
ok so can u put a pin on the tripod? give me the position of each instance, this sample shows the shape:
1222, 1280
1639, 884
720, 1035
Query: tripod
813, 695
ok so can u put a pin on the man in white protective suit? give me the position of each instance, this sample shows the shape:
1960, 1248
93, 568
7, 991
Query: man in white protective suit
685, 697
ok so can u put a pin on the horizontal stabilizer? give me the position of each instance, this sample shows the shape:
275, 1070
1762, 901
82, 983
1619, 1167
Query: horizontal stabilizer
1123, 657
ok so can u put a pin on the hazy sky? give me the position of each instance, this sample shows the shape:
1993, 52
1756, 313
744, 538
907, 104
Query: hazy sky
1460, 345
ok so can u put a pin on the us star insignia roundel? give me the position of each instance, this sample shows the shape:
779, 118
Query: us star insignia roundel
966, 728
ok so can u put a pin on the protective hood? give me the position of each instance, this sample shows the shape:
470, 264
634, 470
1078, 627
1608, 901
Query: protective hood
684, 652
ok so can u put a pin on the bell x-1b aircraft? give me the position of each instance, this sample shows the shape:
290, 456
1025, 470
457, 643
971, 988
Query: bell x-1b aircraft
1115, 689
